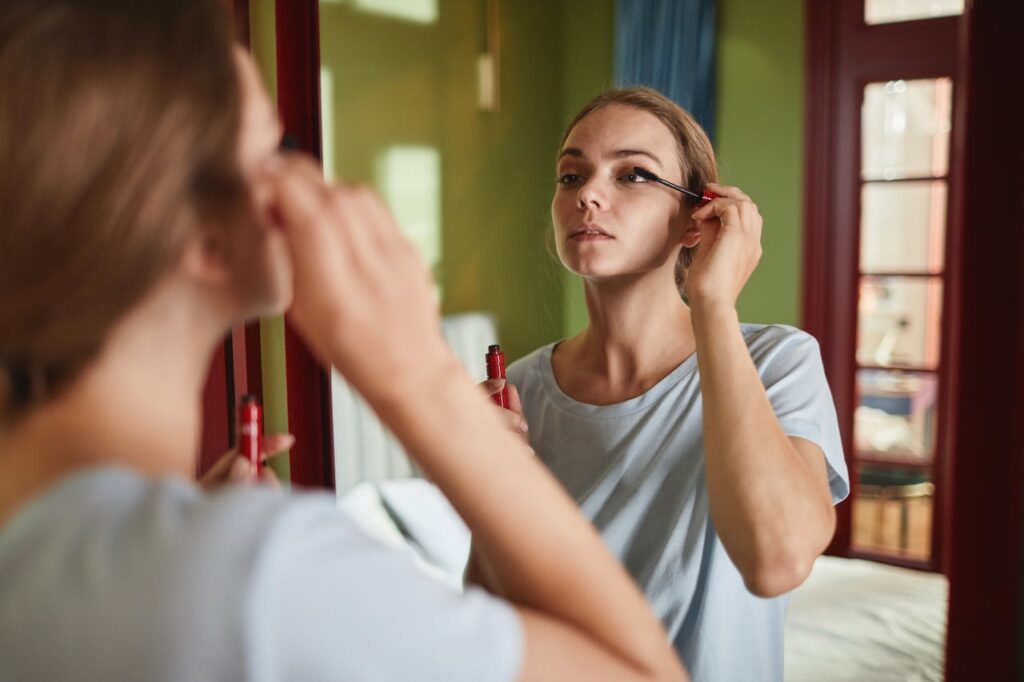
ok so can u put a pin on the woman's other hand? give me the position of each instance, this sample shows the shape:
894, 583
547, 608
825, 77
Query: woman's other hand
512, 415
234, 468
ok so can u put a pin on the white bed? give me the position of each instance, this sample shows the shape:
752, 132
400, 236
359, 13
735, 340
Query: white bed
852, 620
865, 621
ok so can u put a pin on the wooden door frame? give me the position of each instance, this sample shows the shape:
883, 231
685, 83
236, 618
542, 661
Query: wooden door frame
985, 552
982, 362
235, 369
844, 55
298, 99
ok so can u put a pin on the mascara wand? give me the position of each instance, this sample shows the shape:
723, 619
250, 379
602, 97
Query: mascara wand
702, 199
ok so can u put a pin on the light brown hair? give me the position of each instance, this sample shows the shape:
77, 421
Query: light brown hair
119, 128
693, 148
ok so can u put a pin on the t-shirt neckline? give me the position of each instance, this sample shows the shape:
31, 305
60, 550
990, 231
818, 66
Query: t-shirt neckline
636, 404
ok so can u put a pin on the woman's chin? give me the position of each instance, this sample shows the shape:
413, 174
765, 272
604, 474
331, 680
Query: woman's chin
588, 267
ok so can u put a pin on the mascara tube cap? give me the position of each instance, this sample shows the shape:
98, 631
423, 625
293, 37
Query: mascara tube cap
250, 428
496, 370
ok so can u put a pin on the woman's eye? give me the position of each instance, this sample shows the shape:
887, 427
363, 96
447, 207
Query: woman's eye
632, 178
568, 179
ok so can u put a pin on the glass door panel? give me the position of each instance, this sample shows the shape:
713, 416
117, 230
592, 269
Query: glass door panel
899, 321
903, 227
905, 127
890, 11
895, 417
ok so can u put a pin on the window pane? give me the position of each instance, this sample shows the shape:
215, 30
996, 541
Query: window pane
888, 11
409, 177
905, 129
895, 417
892, 511
903, 227
899, 321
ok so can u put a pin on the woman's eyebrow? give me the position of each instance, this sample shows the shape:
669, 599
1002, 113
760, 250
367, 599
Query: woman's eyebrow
622, 153
576, 152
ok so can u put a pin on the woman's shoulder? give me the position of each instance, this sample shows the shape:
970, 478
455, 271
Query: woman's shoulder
168, 523
770, 341
773, 335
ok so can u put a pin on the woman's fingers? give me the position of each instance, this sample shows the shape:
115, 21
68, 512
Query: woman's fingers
220, 470
516, 422
721, 208
514, 403
232, 467
512, 415
241, 470
491, 387
354, 214
317, 246
361, 290
275, 443
268, 477
729, 248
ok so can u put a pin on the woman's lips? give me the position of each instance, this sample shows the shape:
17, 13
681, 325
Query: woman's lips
589, 233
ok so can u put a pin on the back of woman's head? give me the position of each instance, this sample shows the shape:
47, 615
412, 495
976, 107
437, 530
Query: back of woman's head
694, 153
118, 136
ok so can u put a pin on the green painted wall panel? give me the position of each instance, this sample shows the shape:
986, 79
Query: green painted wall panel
262, 37
587, 42
760, 140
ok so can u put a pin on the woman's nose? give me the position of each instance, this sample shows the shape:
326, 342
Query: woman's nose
590, 197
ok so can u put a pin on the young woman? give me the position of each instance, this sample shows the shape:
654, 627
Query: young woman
705, 451
144, 209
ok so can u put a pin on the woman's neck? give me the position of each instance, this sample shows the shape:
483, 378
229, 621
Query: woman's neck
137, 405
639, 331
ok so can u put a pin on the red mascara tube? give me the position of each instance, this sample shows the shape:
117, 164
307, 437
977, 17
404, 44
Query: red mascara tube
496, 370
250, 428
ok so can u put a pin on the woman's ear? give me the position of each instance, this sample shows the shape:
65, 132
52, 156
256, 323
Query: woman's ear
205, 261
691, 235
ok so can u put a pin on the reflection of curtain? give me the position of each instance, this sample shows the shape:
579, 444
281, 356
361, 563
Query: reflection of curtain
669, 45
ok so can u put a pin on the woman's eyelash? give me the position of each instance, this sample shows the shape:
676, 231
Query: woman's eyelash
629, 177
634, 178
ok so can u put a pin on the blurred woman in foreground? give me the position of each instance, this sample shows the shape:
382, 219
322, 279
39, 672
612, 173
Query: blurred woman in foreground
145, 209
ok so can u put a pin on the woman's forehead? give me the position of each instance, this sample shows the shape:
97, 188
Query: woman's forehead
616, 127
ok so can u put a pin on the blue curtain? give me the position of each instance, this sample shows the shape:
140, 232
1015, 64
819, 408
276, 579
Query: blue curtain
669, 45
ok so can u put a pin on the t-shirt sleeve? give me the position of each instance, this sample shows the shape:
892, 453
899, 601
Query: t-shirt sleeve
330, 603
794, 379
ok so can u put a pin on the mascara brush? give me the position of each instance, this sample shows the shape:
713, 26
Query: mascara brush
702, 199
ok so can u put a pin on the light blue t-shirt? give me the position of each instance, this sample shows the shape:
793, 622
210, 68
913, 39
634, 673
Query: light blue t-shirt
110, 576
636, 469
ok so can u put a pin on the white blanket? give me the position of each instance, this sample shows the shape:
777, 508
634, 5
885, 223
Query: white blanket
861, 620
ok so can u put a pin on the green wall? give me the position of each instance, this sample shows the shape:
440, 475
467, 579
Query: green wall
275, 386
587, 39
760, 140
397, 82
